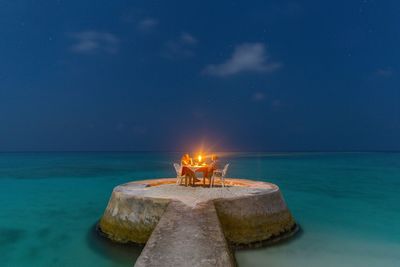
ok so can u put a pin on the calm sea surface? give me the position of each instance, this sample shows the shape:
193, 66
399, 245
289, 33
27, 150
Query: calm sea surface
348, 205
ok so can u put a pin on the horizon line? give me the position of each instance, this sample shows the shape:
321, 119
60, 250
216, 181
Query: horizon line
184, 151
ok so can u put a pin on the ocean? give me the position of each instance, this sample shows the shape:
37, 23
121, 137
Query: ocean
347, 204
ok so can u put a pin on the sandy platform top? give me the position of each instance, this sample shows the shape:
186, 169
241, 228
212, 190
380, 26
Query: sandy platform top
191, 196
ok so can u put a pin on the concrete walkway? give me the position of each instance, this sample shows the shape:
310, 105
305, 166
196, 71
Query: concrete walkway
187, 236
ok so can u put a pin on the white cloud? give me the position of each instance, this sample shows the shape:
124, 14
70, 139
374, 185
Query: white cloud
258, 97
187, 38
89, 42
247, 57
182, 47
147, 24
386, 72
276, 103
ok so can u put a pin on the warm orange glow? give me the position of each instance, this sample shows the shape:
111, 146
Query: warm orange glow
200, 158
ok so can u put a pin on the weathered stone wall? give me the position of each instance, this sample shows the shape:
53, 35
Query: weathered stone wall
195, 221
130, 218
251, 219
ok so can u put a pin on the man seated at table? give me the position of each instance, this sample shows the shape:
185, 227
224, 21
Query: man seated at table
214, 165
209, 169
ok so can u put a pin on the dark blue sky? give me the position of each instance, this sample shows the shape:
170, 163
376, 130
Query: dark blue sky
168, 75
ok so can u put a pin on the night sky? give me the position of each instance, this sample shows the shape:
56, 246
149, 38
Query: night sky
171, 75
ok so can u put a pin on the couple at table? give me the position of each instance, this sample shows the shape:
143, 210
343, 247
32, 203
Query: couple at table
207, 170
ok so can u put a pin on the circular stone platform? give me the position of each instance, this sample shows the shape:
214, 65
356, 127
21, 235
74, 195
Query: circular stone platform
249, 211
163, 214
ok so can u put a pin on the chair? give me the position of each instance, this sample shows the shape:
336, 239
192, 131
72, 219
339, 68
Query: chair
179, 176
220, 174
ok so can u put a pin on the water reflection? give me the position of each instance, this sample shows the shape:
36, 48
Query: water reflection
119, 253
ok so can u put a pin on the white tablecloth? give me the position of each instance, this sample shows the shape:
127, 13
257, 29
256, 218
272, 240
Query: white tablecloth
194, 168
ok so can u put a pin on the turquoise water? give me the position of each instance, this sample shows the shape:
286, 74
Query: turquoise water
348, 205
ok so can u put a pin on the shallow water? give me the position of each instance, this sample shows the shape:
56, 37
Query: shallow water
346, 203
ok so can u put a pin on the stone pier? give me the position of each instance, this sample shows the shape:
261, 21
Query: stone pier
195, 226
187, 236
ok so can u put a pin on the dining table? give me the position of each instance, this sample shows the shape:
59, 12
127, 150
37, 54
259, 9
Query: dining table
196, 168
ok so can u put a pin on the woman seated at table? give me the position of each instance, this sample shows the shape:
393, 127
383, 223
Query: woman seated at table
186, 160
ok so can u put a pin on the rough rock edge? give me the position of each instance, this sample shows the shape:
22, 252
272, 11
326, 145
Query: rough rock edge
276, 239
108, 237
